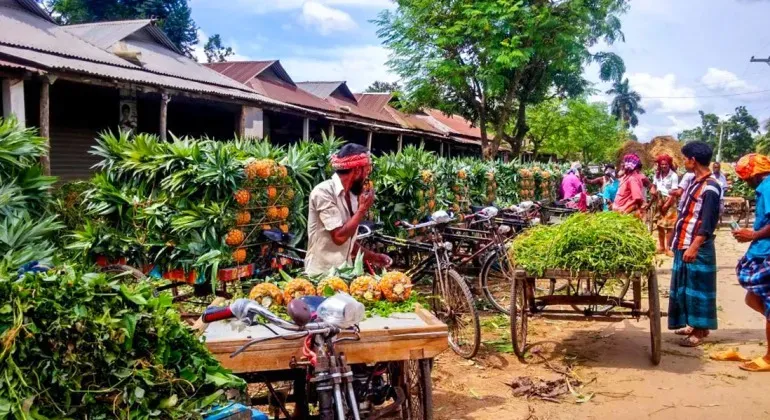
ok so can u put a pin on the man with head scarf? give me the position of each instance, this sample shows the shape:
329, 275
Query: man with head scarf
571, 185
337, 206
692, 305
664, 182
753, 269
630, 196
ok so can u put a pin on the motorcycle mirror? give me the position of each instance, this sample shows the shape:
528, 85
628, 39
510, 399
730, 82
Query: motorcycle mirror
299, 312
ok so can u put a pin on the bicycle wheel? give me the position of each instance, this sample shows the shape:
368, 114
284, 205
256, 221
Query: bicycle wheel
519, 312
419, 395
496, 281
654, 314
454, 306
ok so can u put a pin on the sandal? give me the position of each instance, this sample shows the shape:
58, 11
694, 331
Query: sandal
684, 331
757, 365
691, 340
670, 253
731, 355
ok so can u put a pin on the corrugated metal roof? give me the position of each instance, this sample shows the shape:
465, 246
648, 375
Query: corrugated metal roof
289, 93
241, 71
34, 7
105, 34
50, 61
456, 123
20, 28
324, 89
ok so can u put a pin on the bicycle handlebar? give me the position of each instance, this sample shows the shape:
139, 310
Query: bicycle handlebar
246, 310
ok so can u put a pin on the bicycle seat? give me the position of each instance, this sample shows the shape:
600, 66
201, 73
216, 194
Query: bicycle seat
276, 235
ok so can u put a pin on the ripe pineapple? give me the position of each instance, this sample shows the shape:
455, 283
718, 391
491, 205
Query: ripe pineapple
239, 255
431, 205
242, 197
365, 288
263, 168
297, 288
235, 237
336, 283
396, 286
271, 193
462, 174
289, 194
242, 218
250, 170
266, 227
272, 213
266, 294
282, 171
426, 175
284, 227
283, 213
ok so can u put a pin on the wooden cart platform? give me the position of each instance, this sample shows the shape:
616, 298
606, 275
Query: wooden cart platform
400, 337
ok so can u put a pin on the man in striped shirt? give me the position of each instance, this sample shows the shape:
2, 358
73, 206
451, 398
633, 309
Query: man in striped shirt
692, 309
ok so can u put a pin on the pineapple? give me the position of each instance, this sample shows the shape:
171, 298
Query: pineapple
283, 213
290, 194
462, 174
426, 175
250, 170
420, 195
365, 288
234, 237
239, 255
242, 197
297, 288
262, 168
284, 227
272, 213
396, 286
266, 227
242, 218
282, 171
431, 205
336, 284
266, 294
271, 193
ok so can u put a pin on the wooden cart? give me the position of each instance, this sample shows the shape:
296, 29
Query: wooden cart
738, 209
404, 344
585, 295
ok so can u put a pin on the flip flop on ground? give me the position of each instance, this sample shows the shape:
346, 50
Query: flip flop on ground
731, 355
757, 365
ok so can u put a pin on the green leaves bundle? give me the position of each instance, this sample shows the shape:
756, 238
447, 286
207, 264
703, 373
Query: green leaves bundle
604, 243
78, 345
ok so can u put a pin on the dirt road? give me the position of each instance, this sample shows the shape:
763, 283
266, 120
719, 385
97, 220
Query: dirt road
613, 359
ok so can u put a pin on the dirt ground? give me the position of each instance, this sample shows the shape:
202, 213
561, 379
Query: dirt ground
612, 359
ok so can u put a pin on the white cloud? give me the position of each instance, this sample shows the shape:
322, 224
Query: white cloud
679, 125
725, 81
662, 94
359, 66
326, 19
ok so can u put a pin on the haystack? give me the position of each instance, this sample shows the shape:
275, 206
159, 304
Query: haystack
632, 146
666, 145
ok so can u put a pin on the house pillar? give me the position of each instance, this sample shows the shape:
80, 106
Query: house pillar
400, 142
164, 100
331, 129
13, 100
254, 122
369, 136
306, 129
45, 121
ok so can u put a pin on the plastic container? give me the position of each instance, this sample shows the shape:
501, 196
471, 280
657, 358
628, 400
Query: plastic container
341, 310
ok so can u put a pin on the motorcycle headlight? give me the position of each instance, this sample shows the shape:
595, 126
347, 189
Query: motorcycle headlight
341, 310
448, 246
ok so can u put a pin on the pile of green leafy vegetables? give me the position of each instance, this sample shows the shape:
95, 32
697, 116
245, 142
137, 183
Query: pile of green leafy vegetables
83, 345
605, 242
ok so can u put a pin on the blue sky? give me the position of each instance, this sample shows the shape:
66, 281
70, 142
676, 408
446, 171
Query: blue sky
681, 55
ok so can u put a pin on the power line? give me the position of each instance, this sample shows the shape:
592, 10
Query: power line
706, 96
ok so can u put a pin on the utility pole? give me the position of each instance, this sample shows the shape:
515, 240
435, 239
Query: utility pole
719, 148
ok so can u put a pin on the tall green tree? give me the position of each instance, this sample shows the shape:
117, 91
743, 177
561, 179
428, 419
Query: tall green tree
738, 133
762, 142
215, 51
585, 131
173, 16
546, 122
488, 60
383, 87
626, 105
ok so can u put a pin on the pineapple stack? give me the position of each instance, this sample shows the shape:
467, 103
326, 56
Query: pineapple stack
264, 201
491, 187
526, 184
461, 190
545, 190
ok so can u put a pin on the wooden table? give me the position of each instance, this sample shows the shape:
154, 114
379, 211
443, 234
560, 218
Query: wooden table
407, 342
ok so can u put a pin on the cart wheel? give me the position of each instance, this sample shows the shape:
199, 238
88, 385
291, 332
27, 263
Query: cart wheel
518, 317
654, 314
419, 390
453, 305
495, 282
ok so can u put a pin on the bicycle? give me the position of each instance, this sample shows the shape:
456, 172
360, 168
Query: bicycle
342, 391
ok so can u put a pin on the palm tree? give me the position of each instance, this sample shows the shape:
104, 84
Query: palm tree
626, 104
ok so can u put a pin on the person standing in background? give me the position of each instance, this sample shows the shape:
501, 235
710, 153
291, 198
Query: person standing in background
630, 196
571, 185
665, 181
692, 306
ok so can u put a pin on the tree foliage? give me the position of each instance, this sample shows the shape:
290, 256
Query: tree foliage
626, 105
575, 129
215, 51
383, 87
487, 60
739, 133
173, 16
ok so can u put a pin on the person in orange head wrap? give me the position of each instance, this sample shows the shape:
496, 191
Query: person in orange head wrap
664, 182
753, 269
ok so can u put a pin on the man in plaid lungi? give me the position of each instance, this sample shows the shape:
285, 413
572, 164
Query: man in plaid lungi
753, 269
692, 307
